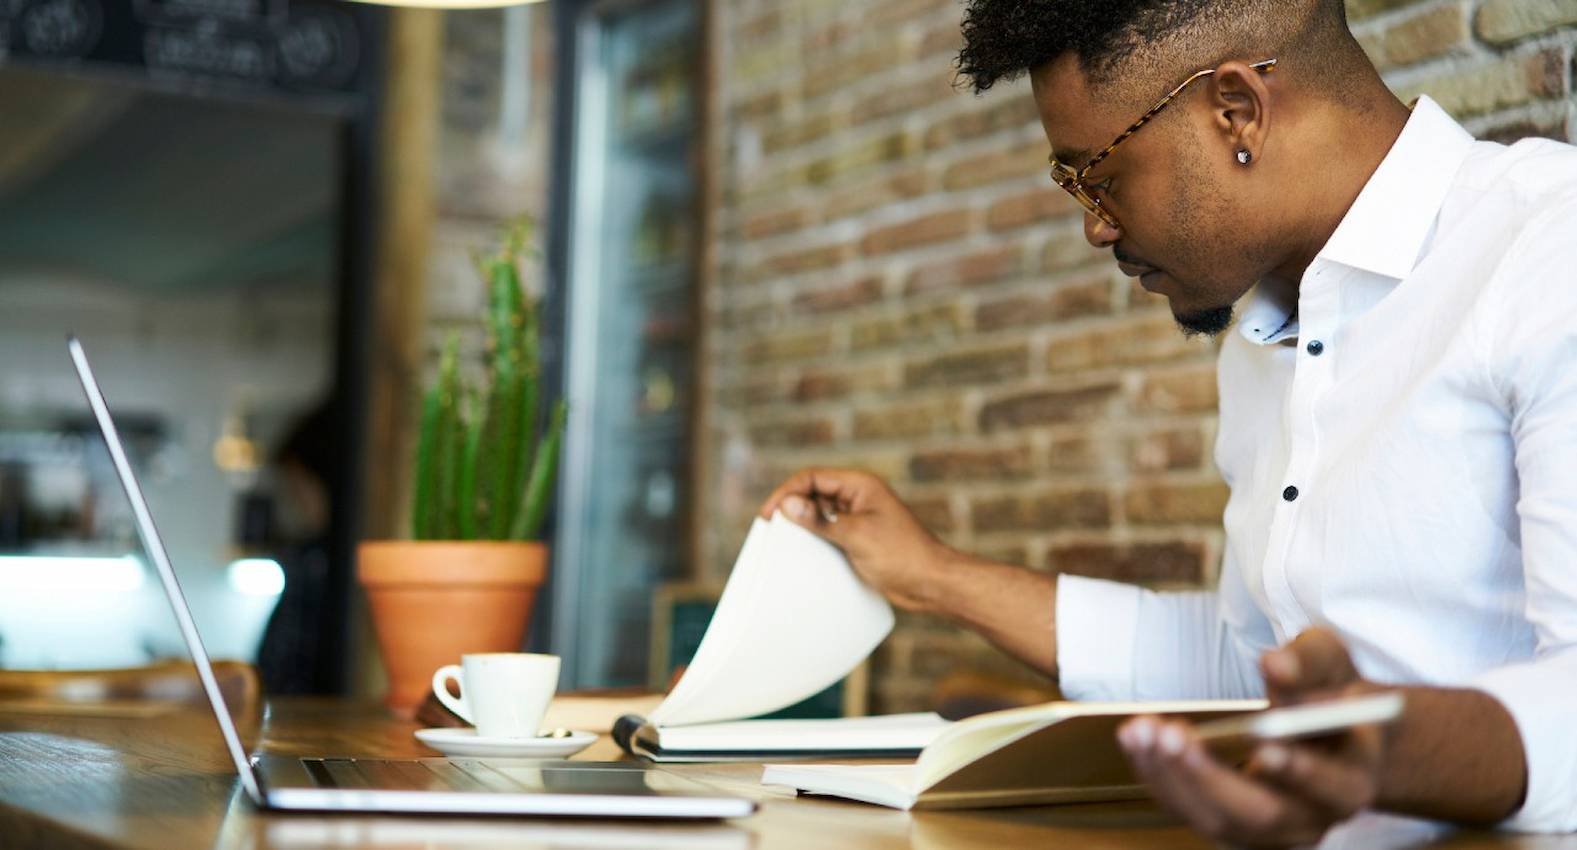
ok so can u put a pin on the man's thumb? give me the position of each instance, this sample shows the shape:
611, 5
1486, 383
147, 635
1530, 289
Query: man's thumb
807, 513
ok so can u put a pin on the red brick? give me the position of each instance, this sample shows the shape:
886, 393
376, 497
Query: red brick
902, 99
908, 420
806, 259
925, 230
1086, 298
761, 26
1046, 511
928, 323
1187, 390
775, 222
817, 42
790, 345
846, 69
856, 157
1145, 340
972, 464
1417, 37
1138, 562
943, 37
1074, 454
969, 270
819, 384
935, 514
889, 13
1514, 129
864, 291
1007, 113
969, 367
1032, 207
1070, 251
862, 196
1024, 162
793, 433
759, 106
799, 133
1167, 503
1175, 448
1046, 407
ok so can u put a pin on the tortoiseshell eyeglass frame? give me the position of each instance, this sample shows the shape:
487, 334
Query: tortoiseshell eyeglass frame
1072, 181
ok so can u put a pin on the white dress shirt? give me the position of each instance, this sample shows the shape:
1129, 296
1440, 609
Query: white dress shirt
1402, 455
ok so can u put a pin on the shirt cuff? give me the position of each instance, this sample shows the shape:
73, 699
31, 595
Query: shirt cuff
1096, 622
1532, 692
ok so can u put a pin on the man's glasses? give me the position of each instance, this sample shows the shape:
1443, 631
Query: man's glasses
1072, 181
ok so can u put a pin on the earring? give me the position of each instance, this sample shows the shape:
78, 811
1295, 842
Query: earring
1244, 157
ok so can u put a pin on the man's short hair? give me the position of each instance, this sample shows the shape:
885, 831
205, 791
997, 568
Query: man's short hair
1004, 39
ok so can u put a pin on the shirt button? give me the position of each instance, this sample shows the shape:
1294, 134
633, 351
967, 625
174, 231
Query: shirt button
1290, 494
1316, 348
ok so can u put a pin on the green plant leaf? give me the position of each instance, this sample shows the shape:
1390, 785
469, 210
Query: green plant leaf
539, 491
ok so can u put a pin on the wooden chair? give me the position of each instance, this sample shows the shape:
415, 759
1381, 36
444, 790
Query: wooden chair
135, 691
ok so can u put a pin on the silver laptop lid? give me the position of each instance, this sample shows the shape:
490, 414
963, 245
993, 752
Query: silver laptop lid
161, 561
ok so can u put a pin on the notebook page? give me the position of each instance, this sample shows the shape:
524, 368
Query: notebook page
793, 619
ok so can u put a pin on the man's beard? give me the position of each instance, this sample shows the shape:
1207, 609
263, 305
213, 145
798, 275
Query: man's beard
1206, 322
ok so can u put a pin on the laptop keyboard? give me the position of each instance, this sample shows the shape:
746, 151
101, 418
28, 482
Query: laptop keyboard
386, 775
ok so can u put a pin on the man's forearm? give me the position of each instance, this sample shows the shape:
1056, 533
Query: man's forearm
1455, 755
1013, 607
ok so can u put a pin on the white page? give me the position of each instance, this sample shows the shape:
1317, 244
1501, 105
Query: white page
793, 619
886, 732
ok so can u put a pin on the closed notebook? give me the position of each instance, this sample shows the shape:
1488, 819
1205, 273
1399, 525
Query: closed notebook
1059, 752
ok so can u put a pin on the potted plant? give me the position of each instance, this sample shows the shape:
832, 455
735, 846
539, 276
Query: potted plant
485, 467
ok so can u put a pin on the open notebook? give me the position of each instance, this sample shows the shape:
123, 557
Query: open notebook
792, 620
1059, 752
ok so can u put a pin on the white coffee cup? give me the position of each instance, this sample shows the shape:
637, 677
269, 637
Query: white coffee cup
502, 694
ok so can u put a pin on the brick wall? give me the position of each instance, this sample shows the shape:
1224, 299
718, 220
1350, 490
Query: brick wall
898, 286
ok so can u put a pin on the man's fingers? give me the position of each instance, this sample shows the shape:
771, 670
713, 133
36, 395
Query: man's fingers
831, 491
798, 484
1335, 781
1214, 798
1315, 661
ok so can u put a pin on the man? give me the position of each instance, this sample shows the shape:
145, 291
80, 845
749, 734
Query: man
1398, 417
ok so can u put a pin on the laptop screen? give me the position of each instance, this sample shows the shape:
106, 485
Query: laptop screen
161, 561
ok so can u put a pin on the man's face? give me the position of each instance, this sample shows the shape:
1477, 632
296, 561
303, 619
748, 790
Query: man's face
1185, 230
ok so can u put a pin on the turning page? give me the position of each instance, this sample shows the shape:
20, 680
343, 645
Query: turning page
793, 619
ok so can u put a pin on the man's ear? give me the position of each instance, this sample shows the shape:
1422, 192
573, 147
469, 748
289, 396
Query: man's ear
1239, 100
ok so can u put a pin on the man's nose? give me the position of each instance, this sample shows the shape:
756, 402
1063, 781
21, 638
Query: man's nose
1098, 232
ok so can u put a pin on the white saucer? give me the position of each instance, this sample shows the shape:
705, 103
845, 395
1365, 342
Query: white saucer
465, 742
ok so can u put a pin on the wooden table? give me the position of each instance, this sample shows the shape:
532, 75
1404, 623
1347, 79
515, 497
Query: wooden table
164, 782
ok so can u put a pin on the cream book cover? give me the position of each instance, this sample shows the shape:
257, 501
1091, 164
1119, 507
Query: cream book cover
1059, 752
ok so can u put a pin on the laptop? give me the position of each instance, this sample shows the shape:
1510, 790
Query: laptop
411, 786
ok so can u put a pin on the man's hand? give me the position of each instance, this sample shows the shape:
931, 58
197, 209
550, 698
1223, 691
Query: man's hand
1013, 607
886, 544
1289, 793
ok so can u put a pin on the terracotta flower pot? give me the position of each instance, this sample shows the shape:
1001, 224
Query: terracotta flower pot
434, 600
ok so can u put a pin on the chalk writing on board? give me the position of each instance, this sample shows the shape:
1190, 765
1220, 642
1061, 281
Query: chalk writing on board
206, 50
296, 46
62, 28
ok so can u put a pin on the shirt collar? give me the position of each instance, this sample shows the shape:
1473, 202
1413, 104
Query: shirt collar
1386, 228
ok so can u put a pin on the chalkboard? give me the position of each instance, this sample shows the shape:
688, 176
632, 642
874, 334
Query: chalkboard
269, 45
682, 615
